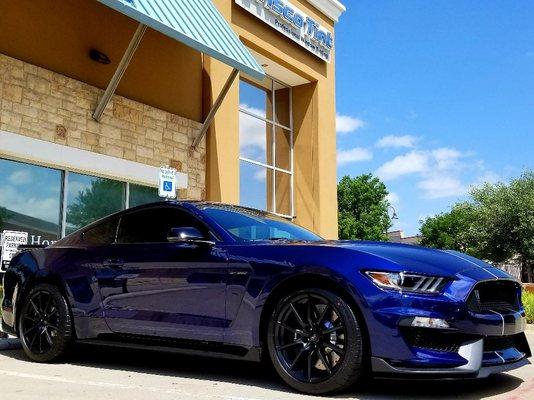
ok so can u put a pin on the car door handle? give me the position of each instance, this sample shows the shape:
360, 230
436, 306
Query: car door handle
114, 263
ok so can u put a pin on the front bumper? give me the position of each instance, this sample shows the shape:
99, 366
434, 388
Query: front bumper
477, 344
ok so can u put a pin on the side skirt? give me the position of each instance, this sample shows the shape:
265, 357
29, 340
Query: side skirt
169, 345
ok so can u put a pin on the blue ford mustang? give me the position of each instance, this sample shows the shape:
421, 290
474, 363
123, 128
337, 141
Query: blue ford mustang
214, 279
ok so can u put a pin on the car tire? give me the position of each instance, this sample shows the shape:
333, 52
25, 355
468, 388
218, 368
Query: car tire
45, 324
315, 342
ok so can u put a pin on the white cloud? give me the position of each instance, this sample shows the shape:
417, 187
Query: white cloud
487, 177
424, 217
346, 124
252, 134
261, 175
409, 163
446, 158
75, 187
20, 177
393, 198
397, 141
439, 172
439, 186
43, 208
353, 155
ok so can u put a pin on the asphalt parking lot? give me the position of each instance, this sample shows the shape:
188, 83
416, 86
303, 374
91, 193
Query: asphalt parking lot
103, 373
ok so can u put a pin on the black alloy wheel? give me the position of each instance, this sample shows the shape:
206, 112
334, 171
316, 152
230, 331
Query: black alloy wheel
45, 324
315, 342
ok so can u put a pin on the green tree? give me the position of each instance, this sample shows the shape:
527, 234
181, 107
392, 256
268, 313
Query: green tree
363, 208
4, 215
102, 198
451, 230
505, 221
496, 224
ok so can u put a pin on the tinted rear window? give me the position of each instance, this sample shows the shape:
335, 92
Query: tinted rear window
102, 234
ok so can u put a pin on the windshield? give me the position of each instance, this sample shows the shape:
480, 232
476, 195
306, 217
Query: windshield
250, 225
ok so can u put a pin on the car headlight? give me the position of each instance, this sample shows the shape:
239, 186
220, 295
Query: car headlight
407, 282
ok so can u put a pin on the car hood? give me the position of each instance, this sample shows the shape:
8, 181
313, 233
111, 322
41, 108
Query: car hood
422, 260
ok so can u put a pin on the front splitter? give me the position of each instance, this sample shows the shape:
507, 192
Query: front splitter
473, 352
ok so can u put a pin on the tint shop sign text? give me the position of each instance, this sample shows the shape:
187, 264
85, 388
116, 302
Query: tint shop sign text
293, 23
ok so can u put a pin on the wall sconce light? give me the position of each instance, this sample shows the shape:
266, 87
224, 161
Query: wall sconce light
99, 57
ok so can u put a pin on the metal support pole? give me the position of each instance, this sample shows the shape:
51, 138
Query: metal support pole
216, 105
119, 72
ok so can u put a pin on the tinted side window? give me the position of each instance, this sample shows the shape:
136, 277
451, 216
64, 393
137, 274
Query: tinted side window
153, 225
103, 233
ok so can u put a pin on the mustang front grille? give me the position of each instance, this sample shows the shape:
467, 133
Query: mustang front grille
499, 296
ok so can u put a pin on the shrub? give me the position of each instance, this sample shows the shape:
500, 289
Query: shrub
528, 302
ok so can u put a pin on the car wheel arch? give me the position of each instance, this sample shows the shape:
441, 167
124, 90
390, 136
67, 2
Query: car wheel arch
303, 281
38, 279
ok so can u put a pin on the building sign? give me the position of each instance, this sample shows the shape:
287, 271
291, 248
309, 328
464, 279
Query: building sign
293, 23
11, 240
167, 182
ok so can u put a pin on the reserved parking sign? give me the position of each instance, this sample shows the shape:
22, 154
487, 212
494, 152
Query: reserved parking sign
11, 240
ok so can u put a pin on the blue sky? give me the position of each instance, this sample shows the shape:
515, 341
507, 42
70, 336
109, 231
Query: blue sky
435, 97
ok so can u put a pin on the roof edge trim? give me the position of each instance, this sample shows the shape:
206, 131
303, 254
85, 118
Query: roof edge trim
331, 8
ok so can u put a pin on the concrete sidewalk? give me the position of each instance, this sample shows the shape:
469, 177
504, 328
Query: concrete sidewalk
103, 373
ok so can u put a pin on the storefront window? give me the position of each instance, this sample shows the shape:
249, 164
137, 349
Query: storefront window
30, 200
142, 195
256, 97
252, 181
90, 198
266, 146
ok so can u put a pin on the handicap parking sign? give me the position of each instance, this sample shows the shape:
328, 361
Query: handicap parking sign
167, 182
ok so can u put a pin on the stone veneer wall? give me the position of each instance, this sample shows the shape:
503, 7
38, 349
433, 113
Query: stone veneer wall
45, 105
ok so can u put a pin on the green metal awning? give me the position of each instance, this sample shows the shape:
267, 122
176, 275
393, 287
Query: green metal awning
197, 24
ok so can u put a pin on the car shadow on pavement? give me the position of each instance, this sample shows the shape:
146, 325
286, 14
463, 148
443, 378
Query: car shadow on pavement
263, 376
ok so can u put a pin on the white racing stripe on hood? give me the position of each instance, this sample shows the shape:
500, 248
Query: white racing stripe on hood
457, 255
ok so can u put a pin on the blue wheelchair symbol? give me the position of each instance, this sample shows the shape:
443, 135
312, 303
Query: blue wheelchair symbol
167, 186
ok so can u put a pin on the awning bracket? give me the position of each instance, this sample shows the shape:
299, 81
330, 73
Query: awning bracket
215, 108
119, 72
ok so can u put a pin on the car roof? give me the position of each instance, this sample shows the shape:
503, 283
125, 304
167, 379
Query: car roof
191, 205
198, 204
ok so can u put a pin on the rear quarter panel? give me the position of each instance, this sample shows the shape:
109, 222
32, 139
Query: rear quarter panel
65, 267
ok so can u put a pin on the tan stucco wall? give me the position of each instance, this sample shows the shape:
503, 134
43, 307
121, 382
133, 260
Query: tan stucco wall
42, 104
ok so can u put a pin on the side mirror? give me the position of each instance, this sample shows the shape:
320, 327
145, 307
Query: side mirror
186, 234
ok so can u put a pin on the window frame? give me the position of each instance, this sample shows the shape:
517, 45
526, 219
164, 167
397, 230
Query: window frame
273, 125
